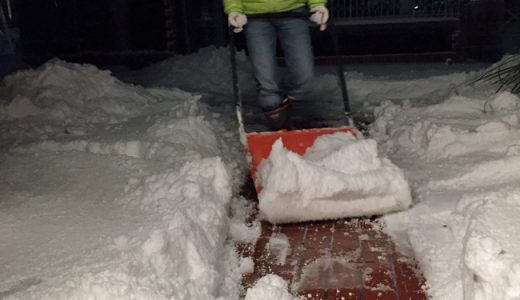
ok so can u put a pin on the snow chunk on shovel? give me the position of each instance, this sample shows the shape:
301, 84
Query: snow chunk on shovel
339, 176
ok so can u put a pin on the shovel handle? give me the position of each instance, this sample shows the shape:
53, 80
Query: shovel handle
286, 15
300, 15
234, 69
323, 25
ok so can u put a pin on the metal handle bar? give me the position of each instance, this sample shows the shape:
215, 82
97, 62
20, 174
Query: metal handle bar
286, 15
283, 15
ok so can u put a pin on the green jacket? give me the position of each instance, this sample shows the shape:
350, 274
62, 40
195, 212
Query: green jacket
268, 6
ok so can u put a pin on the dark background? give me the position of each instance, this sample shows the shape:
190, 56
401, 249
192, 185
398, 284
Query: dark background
137, 32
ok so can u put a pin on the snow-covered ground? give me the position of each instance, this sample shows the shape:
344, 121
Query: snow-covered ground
118, 191
114, 191
461, 157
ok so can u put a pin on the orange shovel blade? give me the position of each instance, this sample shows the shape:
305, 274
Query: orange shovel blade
259, 144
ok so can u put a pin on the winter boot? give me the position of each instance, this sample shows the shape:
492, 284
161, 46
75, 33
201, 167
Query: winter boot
299, 115
278, 117
294, 102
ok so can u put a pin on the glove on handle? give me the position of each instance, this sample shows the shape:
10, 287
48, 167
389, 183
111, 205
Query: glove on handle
320, 16
237, 20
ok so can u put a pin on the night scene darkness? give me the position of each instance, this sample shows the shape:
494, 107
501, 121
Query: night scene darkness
153, 29
259, 149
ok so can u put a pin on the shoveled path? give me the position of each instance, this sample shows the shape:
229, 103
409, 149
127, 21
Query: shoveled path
329, 260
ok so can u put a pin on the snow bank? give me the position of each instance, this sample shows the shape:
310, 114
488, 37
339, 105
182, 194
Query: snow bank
62, 99
339, 176
178, 256
113, 191
469, 253
193, 204
172, 141
67, 92
462, 157
491, 268
403, 87
208, 70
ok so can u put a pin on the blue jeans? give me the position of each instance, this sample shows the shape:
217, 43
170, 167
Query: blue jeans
294, 37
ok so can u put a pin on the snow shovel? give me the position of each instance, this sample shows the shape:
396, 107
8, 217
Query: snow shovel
258, 144
319, 173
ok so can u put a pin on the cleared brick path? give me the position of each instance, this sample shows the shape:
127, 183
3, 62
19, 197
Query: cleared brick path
342, 259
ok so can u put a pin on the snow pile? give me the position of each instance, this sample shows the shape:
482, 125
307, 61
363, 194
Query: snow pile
124, 196
469, 253
193, 205
491, 267
241, 228
208, 70
173, 141
114, 191
270, 287
451, 128
462, 157
61, 99
408, 87
339, 176
67, 92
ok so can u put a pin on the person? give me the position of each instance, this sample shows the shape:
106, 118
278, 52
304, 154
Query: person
262, 32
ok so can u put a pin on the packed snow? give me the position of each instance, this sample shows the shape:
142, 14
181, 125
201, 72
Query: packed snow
113, 190
353, 181
461, 157
270, 287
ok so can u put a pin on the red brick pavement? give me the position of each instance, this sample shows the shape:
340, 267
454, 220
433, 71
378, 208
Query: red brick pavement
329, 260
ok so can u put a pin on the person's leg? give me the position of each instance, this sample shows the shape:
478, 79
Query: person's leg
295, 40
261, 44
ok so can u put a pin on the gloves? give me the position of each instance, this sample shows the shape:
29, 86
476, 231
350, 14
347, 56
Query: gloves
237, 20
320, 16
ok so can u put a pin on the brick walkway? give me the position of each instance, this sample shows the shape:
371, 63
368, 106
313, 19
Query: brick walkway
342, 259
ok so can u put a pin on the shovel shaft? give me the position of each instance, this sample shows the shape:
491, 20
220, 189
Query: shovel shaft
341, 76
234, 70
